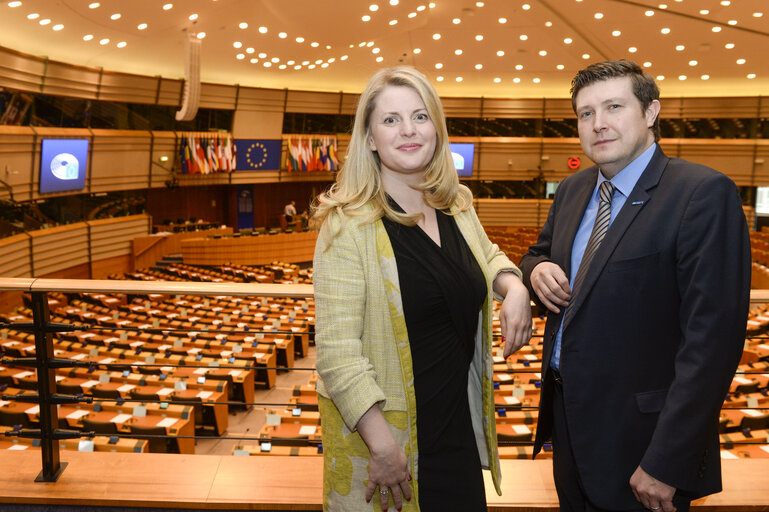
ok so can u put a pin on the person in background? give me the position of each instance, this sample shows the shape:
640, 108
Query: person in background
405, 279
289, 211
644, 265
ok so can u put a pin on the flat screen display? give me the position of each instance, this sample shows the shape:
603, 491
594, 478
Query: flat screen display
463, 154
63, 164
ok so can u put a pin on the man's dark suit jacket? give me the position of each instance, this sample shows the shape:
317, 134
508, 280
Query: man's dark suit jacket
658, 330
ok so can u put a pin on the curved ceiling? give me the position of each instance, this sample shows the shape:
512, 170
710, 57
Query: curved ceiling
494, 48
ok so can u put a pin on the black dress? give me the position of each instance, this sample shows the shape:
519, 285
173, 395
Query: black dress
443, 289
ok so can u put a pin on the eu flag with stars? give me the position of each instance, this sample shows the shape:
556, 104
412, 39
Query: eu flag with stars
258, 154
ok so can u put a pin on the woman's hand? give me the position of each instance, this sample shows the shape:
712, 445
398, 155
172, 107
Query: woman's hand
515, 313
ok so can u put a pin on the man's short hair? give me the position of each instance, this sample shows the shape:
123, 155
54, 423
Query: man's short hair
644, 86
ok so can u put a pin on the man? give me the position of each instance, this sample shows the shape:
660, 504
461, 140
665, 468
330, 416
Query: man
646, 279
289, 211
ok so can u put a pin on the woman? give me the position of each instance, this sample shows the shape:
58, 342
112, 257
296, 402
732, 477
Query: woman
403, 288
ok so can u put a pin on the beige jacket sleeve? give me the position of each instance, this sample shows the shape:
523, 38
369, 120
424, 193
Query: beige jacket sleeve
339, 276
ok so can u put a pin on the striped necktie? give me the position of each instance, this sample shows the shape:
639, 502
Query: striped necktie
601, 226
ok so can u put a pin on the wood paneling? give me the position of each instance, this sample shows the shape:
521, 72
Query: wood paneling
59, 248
512, 212
250, 250
147, 250
307, 102
73, 81
15, 256
101, 269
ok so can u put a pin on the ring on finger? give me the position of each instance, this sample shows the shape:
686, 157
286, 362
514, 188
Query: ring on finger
654, 508
386, 491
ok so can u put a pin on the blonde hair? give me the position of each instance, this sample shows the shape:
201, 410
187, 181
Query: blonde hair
358, 182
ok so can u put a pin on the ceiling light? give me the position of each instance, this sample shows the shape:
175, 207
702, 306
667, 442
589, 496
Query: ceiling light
298, 66
729, 46
523, 37
598, 15
263, 55
115, 16
373, 7
519, 67
479, 37
87, 37
585, 56
193, 17
366, 17
705, 77
439, 78
616, 33
560, 67
282, 35
58, 27
741, 61
250, 50
379, 59
291, 62
324, 65
332, 59
548, 23
122, 44
757, 14
663, 6
439, 65
141, 26
311, 66
45, 21
431, 5
479, 4
542, 53
104, 41
417, 51
704, 12
649, 13
253, 61
375, 51
14, 4
516, 80
300, 39
732, 22
682, 77
479, 66
726, 3
536, 80
262, 30
393, 22
344, 57
412, 15
693, 62
751, 76
166, 7
497, 79
680, 48
93, 5
314, 44
632, 49
660, 77
502, 20
370, 44
421, 8
243, 25
201, 35
436, 36
276, 60
647, 64
269, 65
456, 21
525, 7
304, 62
716, 29
240, 56
237, 44
568, 40
665, 31
361, 45
459, 79
33, 16
500, 53
393, 2
457, 52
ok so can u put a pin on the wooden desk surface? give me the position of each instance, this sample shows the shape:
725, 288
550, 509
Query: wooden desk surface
271, 483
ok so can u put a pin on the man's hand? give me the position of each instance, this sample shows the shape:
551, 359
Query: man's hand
515, 315
551, 285
652, 493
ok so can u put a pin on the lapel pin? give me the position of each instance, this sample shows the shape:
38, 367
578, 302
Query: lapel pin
637, 203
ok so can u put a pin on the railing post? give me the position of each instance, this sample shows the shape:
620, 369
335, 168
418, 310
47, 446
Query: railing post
46, 382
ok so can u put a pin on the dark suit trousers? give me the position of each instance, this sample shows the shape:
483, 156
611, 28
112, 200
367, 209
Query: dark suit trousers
571, 495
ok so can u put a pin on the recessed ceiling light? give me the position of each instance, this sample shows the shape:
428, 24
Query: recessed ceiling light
500, 53
479, 37
542, 53
585, 56
516, 80
250, 50
536, 80
568, 40
33, 16
379, 59
122, 44
751, 76
269, 65
370, 44
417, 51
716, 29
253, 61
300, 39
732, 22
479, 4
548, 24
276, 60
193, 17
704, 12
693, 63
237, 44
479, 66
649, 13
344, 57
647, 64
497, 79
373, 7
104, 41
331, 60
680, 48
518, 67
298, 66
523, 37
141, 26
616, 33
439, 78
393, 2
412, 15
314, 44
502, 20
263, 55
421, 8
729, 46
87, 37
726, 3
115, 16
560, 67
705, 77
757, 14
167, 7
366, 17
304, 62
431, 5
741, 61
200, 35
459, 79
324, 65
632, 49
525, 7
262, 30
93, 5
393, 22
457, 52
439, 65
45, 21
436, 36
240, 56
598, 15
282, 35
660, 77
682, 77
243, 25
456, 21
58, 27
14, 4
665, 31
375, 51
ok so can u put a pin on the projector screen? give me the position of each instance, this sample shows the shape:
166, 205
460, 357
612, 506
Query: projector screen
463, 154
63, 164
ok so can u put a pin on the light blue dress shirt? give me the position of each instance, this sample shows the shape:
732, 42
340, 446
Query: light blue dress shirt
625, 181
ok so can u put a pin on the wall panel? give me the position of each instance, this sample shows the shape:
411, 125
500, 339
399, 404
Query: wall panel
513, 108
129, 88
110, 238
512, 212
217, 96
307, 102
17, 149
163, 146
73, 81
120, 160
59, 248
462, 107
21, 72
14, 256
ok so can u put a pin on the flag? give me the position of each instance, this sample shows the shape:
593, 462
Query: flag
258, 154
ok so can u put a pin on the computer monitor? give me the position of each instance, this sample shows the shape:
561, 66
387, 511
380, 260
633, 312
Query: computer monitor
63, 165
463, 154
